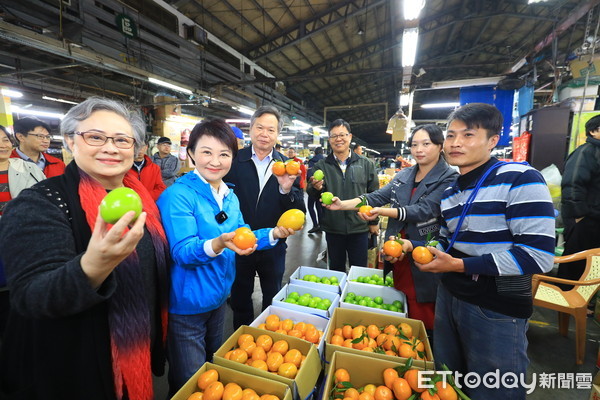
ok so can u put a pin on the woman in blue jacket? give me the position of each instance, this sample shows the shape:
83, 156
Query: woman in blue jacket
200, 214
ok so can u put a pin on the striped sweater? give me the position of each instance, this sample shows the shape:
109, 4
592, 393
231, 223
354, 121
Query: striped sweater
507, 235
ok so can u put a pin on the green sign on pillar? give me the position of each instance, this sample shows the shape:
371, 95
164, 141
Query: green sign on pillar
126, 26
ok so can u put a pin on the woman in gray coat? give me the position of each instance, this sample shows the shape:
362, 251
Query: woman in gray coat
414, 198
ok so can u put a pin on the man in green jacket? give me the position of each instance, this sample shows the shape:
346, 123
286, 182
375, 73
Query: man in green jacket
347, 175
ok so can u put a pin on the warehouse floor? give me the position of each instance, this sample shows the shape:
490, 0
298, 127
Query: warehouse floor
549, 353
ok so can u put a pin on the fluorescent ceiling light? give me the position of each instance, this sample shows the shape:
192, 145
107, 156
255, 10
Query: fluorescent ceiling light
440, 105
287, 137
302, 124
170, 85
405, 99
238, 121
320, 130
314, 145
27, 111
535, 1
245, 110
491, 80
410, 39
59, 100
412, 9
12, 93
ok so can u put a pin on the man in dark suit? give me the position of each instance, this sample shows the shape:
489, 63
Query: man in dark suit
263, 198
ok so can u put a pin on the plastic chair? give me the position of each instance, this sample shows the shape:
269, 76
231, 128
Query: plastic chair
572, 302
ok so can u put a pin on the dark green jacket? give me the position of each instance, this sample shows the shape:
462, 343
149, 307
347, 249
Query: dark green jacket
360, 178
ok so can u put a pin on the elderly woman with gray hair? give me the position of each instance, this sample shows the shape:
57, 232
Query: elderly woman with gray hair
88, 316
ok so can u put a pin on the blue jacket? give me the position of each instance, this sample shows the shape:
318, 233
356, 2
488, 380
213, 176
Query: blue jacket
199, 282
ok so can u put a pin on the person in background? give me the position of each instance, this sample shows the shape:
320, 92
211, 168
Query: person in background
497, 230
358, 149
263, 198
314, 205
292, 156
239, 135
580, 206
15, 175
34, 140
414, 196
200, 215
168, 163
347, 175
88, 299
148, 173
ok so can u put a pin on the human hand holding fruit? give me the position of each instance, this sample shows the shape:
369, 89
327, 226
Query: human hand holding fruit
317, 183
394, 249
286, 173
442, 262
242, 241
108, 247
281, 232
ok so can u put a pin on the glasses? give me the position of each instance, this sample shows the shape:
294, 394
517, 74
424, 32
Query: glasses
99, 139
341, 135
40, 136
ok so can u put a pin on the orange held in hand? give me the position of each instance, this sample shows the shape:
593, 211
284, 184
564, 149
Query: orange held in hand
292, 167
278, 168
392, 248
422, 255
365, 210
244, 238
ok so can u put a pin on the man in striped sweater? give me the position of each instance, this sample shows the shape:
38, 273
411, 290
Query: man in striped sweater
505, 235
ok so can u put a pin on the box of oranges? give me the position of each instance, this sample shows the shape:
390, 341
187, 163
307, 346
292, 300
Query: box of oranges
271, 355
381, 337
200, 382
307, 300
299, 322
319, 278
365, 374
378, 299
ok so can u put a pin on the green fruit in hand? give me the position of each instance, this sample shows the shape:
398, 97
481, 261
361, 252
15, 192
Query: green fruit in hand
118, 202
326, 197
318, 175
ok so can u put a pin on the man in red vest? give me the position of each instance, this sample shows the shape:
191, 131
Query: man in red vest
34, 139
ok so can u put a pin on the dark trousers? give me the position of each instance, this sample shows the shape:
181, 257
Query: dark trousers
270, 265
353, 245
314, 204
580, 236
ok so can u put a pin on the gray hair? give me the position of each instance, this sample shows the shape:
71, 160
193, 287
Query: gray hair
268, 110
83, 110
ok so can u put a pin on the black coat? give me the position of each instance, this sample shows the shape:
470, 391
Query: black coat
57, 342
581, 182
261, 211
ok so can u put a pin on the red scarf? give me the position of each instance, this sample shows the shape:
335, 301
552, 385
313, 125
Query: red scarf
129, 316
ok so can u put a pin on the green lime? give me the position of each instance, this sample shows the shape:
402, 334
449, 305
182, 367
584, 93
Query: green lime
294, 295
291, 300
362, 302
378, 300
303, 301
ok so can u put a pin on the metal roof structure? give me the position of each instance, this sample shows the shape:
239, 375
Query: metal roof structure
317, 60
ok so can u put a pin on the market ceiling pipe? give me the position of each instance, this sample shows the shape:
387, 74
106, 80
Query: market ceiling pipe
562, 26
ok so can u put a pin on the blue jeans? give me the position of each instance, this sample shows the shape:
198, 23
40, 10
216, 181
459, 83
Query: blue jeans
469, 338
270, 266
192, 340
355, 245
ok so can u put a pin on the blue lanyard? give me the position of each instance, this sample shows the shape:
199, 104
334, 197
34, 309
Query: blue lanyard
471, 199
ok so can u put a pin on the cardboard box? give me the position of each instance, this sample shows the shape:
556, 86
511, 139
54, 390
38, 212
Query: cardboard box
278, 299
227, 375
388, 294
302, 271
318, 321
343, 316
362, 369
580, 67
595, 395
308, 373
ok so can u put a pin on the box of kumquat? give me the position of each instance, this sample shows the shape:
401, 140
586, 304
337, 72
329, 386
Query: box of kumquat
211, 379
306, 300
350, 375
271, 355
319, 278
378, 335
301, 324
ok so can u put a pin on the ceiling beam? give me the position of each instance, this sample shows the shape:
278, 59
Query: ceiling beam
325, 19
